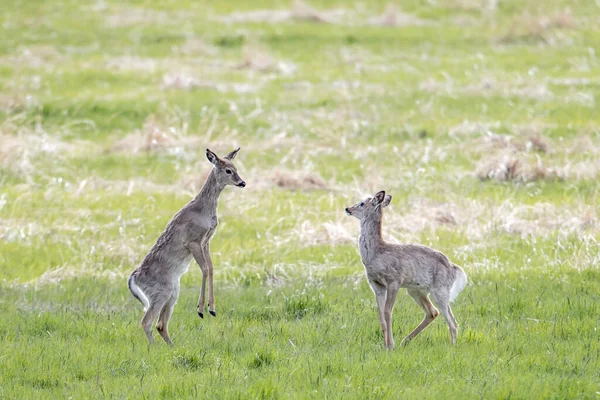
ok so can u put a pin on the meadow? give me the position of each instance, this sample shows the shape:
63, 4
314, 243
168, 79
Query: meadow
477, 116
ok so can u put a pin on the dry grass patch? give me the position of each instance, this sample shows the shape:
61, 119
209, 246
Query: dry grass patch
195, 46
545, 29
586, 99
158, 136
510, 168
66, 272
306, 232
14, 103
132, 63
125, 187
487, 6
516, 86
122, 16
259, 60
183, 81
298, 181
20, 148
536, 144
299, 11
477, 220
392, 16
35, 56
260, 180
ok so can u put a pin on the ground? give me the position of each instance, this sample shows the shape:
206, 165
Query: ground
478, 117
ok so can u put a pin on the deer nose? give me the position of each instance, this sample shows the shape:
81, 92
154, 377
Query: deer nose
347, 211
242, 184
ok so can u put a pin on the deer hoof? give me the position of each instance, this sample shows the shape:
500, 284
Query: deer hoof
201, 315
213, 313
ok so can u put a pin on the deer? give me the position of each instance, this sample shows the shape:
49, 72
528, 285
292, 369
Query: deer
155, 283
419, 269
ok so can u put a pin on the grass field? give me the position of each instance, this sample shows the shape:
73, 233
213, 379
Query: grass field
478, 117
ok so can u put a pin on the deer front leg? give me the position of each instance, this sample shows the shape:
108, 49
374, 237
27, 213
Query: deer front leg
211, 295
380, 297
392, 293
198, 254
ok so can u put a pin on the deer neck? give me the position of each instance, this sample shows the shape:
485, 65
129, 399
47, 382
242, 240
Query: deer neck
208, 198
370, 239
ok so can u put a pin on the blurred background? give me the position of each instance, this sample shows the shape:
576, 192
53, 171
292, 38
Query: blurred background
106, 109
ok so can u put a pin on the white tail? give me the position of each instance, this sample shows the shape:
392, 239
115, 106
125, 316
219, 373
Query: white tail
138, 293
459, 283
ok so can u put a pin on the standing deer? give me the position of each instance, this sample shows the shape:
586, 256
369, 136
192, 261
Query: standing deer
419, 269
155, 283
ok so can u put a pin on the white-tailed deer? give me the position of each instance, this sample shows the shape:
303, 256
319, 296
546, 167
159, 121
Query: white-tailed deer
155, 283
419, 269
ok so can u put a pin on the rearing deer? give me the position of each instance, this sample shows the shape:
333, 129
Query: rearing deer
155, 283
419, 269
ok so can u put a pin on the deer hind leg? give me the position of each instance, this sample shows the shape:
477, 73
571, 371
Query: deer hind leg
165, 314
430, 311
442, 299
157, 302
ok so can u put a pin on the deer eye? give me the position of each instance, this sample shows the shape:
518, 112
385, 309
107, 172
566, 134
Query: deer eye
361, 204
228, 171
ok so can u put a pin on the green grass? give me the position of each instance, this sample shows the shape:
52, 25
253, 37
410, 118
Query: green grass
326, 114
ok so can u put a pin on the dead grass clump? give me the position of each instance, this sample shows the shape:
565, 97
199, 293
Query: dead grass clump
469, 128
257, 60
300, 11
19, 150
541, 219
484, 6
196, 46
181, 81
293, 181
123, 16
65, 273
445, 217
586, 99
421, 215
130, 63
156, 136
126, 187
392, 16
519, 86
272, 16
11, 104
538, 144
310, 233
540, 29
510, 169
582, 170
303, 12
36, 56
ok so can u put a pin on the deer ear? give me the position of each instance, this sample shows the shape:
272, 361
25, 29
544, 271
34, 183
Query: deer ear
232, 155
386, 201
379, 197
212, 157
